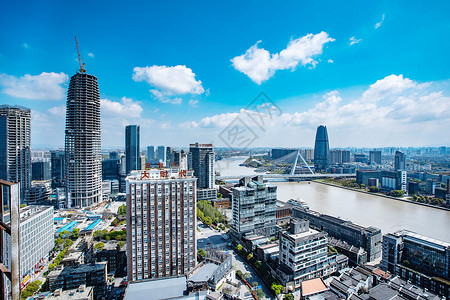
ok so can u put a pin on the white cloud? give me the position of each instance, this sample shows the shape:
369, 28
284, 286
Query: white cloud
163, 98
45, 86
379, 23
193, 103
330, 61
169, 82
393, 111
354, 40
25, 45
126, 108
58, 111
258, 64
90, 54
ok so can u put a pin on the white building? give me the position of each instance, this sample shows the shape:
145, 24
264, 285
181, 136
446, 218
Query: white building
161, 223
304, 254
254, 207
36, 240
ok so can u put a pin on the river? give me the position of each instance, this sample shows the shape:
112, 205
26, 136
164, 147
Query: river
368, 210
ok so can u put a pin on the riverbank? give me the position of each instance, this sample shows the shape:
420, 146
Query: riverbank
381, 195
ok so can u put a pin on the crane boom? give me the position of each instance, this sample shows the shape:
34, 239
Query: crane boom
82, 70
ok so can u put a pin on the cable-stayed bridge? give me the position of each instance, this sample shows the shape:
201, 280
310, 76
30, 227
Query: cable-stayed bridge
293, 158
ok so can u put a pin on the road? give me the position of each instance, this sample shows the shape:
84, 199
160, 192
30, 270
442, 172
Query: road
219, 240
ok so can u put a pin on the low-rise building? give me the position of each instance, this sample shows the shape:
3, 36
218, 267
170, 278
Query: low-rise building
81, 293
206, 194
368, 238
422, 260
72, 277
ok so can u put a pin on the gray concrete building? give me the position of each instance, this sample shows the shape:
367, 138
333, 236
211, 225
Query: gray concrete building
368, 238
15, 139
203, 164
253, 207
83, 161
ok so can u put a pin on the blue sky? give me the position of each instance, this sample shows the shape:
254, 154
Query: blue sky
376, 73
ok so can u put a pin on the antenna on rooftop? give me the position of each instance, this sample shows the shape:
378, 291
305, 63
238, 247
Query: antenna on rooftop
82, 70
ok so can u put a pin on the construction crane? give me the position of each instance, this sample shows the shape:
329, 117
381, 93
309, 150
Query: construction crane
82, 70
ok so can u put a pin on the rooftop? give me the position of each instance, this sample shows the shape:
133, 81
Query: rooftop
160, 174
156, 289
204, 273
75, 294
313, 286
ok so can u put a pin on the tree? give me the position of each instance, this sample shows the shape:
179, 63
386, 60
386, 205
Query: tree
64, 234
122, 210
398, 193
115, 222
23, 205
99, 246
288, 297
247, 276
277, 288
200, 214
76, 233
258, 264
249, 257
239, 247
255, 284
374, 189
201, 254
208, 221
120, 245
260, 294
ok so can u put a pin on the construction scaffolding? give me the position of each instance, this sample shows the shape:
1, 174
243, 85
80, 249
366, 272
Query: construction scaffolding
9, 240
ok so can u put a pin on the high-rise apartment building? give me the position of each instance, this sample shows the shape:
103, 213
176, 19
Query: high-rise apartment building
57, 168
180, 159
253, 207
203, 164
151, 153
15, 138
400, 161
40, 170
132, 146
321, 149
375, 157
339, 156
161, 153
83, 160
161, 223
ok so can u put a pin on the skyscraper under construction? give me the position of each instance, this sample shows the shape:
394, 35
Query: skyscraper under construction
83, 170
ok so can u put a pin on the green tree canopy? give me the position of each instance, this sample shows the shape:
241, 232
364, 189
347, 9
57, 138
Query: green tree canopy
99, 246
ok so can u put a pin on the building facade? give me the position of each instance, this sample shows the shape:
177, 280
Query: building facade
368, 238
203, 164
161, 154
253, 207
375, 157
420, 259
304, 254
132, 146
36, 235
15, 139
161, 223
151, 153
83, 159
399, 161
57, 168
321, 149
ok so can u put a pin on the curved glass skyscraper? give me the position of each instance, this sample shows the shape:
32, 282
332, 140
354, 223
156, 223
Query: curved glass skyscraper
321, 149
83, 142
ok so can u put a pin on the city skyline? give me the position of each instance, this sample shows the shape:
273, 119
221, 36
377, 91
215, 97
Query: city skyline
178, 88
